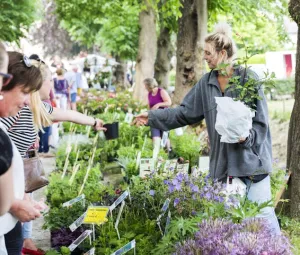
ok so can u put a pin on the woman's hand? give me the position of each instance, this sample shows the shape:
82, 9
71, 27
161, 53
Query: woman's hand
24, 210
141, 119
155, 107
99, 125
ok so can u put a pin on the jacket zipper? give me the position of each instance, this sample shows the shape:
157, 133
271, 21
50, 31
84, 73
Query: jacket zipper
260, 161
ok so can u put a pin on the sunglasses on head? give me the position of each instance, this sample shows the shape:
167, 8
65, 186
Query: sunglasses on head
28, 61
6, 78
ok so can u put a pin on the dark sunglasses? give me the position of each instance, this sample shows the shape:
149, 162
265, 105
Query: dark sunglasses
6, 78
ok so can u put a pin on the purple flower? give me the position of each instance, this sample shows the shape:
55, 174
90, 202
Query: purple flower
176, 184
176, 201
166, 182
171, 187
152, 192
180, 177
194, 188
224, 237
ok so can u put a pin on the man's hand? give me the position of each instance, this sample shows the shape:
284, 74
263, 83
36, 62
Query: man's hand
141, 119
24, 210
99, 125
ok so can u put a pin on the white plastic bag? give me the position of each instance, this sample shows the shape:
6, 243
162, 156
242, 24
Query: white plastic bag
234, 119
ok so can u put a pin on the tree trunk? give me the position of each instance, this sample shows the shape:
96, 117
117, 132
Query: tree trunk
190, 37
120, 73
294, 128
146, 52
163, 58
202, 32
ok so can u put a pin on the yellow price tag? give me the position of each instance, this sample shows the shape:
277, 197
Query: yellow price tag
96, 215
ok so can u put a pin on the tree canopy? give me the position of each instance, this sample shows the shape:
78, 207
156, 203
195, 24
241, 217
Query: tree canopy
16, 17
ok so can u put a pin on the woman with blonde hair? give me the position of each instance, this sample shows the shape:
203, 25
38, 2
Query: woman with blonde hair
249, 160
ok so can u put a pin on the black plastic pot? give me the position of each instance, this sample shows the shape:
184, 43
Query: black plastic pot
112, 131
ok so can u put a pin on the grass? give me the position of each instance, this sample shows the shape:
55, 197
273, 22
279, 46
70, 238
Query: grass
281, 110
292, 228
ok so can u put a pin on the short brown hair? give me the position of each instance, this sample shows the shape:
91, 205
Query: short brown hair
30, 78
59, 71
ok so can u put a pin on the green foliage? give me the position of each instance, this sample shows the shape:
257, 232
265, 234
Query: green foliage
120, 29
284, 87
281, 116
186, 146
59, 217
81, 19
277, 180
255, 22
16, 17
292, 228
246, 209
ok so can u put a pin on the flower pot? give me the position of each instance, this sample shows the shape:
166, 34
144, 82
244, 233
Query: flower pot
112, 131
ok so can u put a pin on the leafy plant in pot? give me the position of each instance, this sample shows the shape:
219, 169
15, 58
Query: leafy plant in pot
112, 127
243, 97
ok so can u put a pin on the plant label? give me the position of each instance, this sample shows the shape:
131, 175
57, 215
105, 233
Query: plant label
183, 168
166, 205
77, 223
156, 148
164, 139
75, 170
144, 143
168, 222
118, 218
125, 248
119, 200
74, 200
138, 159
235, 186
90, 252
128, 118
179, 131
170, 165
96, 215
204, 164
146, 165
79, 240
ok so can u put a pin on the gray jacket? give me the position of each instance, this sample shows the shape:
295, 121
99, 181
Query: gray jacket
253, 157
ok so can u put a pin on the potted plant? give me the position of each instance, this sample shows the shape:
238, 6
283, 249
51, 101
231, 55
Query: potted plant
112, 126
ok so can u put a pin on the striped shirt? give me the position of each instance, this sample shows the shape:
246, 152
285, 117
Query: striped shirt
21, 128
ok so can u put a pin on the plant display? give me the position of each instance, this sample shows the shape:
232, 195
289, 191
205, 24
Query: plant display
165, 212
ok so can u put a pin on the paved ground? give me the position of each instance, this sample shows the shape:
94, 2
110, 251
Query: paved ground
42, 237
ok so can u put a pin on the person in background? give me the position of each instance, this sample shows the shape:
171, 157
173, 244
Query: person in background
15, 95
61, 88
249, 160
45, 134
74, 80
6, 156
158, 98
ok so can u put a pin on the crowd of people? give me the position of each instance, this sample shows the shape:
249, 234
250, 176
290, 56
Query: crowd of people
32, 98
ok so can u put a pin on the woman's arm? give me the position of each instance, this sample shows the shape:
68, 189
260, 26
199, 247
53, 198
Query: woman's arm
76, 117
6, 191
166, 100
